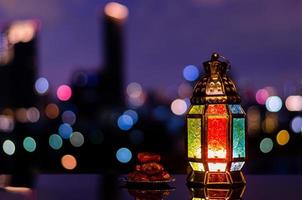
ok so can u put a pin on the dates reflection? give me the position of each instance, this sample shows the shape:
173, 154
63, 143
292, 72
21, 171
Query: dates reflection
141, 194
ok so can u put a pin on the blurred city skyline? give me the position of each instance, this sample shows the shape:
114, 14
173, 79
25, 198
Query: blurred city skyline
261, 39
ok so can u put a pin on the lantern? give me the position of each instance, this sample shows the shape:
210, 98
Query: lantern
216, 128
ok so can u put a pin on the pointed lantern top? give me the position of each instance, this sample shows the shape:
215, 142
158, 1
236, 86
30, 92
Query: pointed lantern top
215, 86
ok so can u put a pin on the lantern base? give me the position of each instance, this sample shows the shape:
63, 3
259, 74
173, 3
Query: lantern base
228, 179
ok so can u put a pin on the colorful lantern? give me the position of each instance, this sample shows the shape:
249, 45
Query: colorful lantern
216, 128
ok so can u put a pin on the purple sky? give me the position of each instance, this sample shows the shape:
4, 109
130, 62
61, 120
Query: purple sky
262, 39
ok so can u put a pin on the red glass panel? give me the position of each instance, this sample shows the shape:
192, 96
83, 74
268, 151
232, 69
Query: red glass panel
216, 109
217, 136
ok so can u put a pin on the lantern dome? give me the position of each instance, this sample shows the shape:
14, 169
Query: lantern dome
215, 86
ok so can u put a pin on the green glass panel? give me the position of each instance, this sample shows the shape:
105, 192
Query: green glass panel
196, 109
236, 109
194, 137
238, 138
197, 166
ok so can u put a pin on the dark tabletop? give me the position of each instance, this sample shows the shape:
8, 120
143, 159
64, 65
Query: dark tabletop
92, 187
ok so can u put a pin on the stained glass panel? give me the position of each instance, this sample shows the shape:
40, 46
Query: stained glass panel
238, 138
216, 109
194, 137
197, 166
217, 167
217, 136
236, 109
236, 166
196, 109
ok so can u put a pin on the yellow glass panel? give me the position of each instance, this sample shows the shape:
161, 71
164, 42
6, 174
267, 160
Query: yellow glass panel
196, 109
197, 166
194, 137
217, 167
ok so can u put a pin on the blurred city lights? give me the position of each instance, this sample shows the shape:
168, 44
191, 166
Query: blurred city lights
266, 145
282, 137
69, 162
123, 155
55, 141
134, 90
69, 117
41, 85
33, 114
65, 130
190, 73
125, 122
179, 107
136, 137
133, 114
21, 115
29, 144
136, 96
52, 111
273, 104
185, 90
21, 31
294, 103
261, 96
7, 123
270, 122
64, 92
116, 10
296, 124
253, 120
77, 139
8, 147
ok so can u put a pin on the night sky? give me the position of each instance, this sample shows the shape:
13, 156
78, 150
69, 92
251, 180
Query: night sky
262, 39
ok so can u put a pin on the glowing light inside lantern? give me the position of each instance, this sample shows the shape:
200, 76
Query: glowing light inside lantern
217, 167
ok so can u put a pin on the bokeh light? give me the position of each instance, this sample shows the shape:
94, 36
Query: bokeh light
77, 139
41, 85
133, 114
69, 162
8, 147
161, 113
294, 103
65, 130
190, 73
33, 114
273, 104
64, 92
179, 106
266, 145
22, 31
21, 115
52, 111
123, 155
29, 144
270, 123
261, 96
296, 124
136, 137
116, 10
7, 123
282, 137
69, 117
253, 120
134, 90
55, 141
125, 122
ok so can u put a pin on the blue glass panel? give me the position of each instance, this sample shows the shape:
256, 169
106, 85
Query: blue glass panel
236, 109
238, 138
236, 166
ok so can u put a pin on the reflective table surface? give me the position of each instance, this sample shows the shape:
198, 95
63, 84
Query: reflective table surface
92, 187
